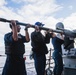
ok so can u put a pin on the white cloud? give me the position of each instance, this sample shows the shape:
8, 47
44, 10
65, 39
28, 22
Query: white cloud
26, 1
70, 22
70, 7
40, 8
2, 2
17, 1
9, 14
50, 22
31, 13
1, 39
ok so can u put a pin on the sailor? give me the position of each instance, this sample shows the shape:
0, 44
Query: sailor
14, 49
57, 41
39, 48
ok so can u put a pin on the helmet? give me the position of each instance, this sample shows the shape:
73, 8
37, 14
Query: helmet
59, 25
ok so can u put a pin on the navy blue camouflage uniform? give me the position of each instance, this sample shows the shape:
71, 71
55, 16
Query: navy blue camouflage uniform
57, 55
15, 63
39, 48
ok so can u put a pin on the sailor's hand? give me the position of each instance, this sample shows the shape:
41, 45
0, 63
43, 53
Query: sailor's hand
61, 33
50, 30
28, 26
13, 23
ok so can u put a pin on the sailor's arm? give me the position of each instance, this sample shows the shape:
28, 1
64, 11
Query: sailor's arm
14, 30
26, 33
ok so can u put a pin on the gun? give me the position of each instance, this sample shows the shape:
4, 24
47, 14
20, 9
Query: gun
59, 30
33, 26
68, 33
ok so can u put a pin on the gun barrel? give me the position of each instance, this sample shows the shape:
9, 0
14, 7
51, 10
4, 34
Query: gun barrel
33, 26
42, 28
4, 20
68, 32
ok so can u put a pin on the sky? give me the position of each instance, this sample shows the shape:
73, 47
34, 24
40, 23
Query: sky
48, 12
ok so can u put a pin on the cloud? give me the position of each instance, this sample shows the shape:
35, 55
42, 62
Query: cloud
2, 2
34, 10
37, 9
70, 21
1, 39
18, 1
40, 8
70, 7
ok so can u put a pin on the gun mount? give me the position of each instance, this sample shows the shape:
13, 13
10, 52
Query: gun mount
69, 52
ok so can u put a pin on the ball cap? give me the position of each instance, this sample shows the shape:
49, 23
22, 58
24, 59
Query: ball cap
59, 25
39, 24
